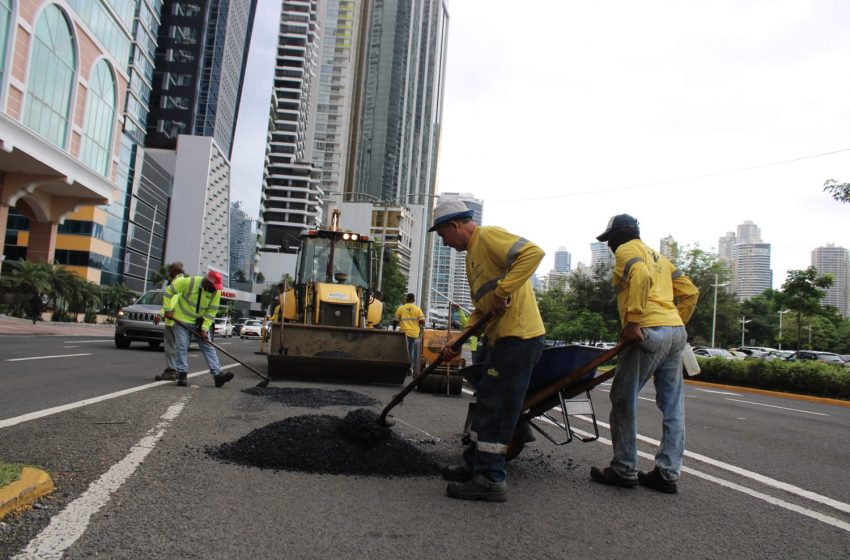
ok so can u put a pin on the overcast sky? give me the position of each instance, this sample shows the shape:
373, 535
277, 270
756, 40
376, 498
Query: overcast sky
691, 116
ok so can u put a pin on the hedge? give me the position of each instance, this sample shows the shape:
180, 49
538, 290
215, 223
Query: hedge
805, 378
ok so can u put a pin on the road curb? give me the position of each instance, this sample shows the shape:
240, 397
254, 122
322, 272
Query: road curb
33, 484
792, 396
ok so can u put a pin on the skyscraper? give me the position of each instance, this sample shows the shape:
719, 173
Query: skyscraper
600, 254
748, 259
292, 198
563, 260
834, 261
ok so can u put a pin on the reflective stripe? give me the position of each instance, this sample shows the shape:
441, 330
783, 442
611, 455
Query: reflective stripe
487, 287
629, 264
514, 251
676, 274
495, 448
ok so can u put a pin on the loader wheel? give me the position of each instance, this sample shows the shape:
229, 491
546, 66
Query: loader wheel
154, 345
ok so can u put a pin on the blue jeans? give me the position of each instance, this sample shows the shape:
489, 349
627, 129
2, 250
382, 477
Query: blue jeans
500, 394
659, 355
181, 351
168, 344
413, 353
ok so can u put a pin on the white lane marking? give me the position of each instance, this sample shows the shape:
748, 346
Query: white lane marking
46, 357
65, 407
781, 407
646, 399
743, 489
766, 480
88, 341
71, 523
719, 392
68, 347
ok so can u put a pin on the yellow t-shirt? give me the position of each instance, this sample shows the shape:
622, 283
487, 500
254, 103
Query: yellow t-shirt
409, 317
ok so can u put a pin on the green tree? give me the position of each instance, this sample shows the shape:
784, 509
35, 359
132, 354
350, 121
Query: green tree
802, 293
239, 276
29, 277
115, 297
393, 287
260, 278
839, 191
159, 277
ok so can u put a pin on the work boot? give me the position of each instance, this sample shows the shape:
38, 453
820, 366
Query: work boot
167, 375
181, 379
610, 476
655, 480
456, 473
222, 378
478, 488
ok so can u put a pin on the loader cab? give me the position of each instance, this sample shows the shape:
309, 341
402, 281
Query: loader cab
333, 277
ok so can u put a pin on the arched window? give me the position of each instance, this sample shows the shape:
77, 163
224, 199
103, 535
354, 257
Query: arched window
100, 116
51, 76
5, 17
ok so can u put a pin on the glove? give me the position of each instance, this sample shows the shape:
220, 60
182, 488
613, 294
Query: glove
156, 319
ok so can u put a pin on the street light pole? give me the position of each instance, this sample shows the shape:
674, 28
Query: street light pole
809, 328
744, 321
714, 315
781, 313
150, 242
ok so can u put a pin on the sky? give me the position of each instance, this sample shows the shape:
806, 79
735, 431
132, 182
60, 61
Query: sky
691, 116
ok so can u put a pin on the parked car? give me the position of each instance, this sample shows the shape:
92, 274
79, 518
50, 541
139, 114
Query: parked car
713, 353
756, 351
237, 326
251, 328
223, 326
779, 354
828, 357
135, 322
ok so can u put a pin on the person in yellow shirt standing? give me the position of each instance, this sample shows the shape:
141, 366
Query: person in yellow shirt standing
499, 266
655, 302
410, 318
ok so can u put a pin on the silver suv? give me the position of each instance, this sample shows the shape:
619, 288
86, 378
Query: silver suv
135, 322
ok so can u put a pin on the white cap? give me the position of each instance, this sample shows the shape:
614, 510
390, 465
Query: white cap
452, 209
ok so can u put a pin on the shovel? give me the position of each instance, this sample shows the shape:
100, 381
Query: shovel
455, 346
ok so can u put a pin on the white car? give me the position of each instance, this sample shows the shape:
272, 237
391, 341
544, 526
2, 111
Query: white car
222, 326
251, 328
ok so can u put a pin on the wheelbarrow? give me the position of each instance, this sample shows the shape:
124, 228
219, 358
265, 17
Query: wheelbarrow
559, 388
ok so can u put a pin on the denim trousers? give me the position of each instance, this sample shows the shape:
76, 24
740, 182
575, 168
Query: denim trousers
181, 351
413, 353
500, 393
168, 345
658, 356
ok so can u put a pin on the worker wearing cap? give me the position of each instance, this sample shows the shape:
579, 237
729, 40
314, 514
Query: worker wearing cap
655, 301
192, 301
175, 270
499, 266
411, 320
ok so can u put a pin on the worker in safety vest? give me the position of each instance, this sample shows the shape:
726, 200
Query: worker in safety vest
410, 318
192, 302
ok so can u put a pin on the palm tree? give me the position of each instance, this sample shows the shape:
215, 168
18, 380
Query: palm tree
86, 299
64, 286
28, 277
115, 297
160, 276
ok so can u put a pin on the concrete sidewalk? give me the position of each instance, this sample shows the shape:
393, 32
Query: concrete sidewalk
16, 325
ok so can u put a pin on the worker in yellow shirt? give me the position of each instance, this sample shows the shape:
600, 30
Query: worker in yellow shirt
411, 320
499, 266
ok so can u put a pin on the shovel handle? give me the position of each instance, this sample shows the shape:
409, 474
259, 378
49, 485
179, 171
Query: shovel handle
455, 346
222, 350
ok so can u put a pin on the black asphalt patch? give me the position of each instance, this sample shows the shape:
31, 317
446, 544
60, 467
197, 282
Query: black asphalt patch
312, 398
320, 444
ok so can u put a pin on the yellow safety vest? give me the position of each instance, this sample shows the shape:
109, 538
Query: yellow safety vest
193, 302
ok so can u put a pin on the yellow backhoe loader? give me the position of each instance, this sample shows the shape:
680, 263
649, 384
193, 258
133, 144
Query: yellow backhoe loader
326, 329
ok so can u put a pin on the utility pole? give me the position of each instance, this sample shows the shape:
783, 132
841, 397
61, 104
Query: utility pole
781, 313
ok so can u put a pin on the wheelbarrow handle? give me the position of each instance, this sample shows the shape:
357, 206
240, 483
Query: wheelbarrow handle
456, 344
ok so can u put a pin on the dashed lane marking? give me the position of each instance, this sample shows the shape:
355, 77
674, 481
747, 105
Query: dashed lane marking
46, 357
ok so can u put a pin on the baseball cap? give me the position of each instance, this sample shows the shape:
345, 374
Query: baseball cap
620, 221
215, 278
453, 209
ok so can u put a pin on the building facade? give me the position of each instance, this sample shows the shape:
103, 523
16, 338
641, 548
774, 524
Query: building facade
834, 261
563, 260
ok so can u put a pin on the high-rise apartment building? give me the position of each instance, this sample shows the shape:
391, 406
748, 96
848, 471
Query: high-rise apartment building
242, 244
292, 198
563, 260
668, 247
753, 274
600, 254
834, 261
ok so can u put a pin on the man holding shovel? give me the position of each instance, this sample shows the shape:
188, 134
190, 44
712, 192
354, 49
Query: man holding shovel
192, 301
499, 266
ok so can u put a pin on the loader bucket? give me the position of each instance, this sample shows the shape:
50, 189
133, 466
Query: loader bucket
320, 352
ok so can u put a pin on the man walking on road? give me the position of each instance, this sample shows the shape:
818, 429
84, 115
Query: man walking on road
499, 266
175, 271
194, 307
410, 318
648, 287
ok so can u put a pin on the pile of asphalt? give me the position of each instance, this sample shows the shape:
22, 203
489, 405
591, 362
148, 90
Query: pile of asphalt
324, 444
312, 398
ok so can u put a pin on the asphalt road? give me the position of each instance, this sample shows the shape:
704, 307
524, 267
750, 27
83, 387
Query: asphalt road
765, 476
